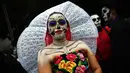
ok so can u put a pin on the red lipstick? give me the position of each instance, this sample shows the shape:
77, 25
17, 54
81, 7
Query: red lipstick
58, 31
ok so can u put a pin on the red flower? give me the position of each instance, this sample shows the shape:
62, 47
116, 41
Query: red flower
80, 69
71, 57
57, 59
81, 56
83, 67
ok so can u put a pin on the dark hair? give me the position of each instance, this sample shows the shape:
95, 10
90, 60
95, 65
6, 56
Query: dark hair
56, 13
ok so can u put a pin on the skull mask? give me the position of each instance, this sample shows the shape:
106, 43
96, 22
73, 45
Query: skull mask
57, 25
96, 19
106, 13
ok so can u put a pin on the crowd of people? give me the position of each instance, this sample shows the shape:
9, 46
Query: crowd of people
112, 43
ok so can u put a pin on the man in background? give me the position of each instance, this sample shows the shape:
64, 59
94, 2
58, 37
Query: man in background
8, 63
120, 38
103, 53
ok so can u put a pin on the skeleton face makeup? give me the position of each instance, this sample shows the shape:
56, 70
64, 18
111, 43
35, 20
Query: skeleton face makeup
96, 19
57, 25
106, 13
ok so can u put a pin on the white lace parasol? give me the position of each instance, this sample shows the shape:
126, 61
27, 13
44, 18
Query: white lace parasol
32, 38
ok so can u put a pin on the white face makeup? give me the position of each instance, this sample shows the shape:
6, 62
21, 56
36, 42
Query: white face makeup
96, 19
57, 25
105, 13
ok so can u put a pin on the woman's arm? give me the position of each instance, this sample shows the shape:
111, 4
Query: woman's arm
92, 60
93, 63
43, 63
46, 68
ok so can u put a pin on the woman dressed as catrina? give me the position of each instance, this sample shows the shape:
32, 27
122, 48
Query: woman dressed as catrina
62, 55
64, 38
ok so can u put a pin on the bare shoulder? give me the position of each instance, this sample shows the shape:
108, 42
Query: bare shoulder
42, 58
81, 41
83, 45
75, 42
45, 49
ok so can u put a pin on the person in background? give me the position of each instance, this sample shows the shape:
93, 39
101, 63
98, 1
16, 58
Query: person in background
8, 63
120, 38
103, 53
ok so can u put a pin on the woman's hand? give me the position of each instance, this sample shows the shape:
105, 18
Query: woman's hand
95, 67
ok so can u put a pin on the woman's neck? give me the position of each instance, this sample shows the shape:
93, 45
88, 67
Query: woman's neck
61, 42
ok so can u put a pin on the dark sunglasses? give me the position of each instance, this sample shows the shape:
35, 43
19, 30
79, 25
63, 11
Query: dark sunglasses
60, 21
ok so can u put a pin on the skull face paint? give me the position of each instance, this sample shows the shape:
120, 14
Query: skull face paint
96, 19
57, 25
106, 13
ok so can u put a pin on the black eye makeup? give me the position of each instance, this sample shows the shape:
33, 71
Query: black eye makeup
104, 11
60, 21
94, 19
52, 23
98, 18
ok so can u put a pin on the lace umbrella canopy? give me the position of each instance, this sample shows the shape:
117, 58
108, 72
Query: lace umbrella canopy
32, 38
